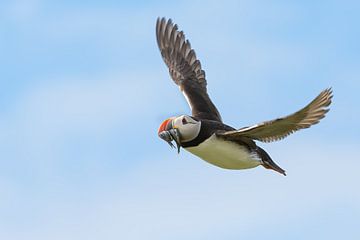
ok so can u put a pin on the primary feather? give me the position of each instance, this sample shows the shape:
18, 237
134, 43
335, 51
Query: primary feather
282, 127
185, 69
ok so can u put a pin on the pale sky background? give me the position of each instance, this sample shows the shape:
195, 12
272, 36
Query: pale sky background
83, 90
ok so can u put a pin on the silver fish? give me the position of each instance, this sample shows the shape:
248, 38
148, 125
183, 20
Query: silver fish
171, 135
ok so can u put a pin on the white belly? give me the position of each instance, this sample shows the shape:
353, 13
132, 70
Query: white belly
225, 154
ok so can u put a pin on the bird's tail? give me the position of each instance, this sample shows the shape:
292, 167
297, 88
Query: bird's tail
268, 163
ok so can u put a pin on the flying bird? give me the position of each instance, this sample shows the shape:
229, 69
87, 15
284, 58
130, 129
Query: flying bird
203, 133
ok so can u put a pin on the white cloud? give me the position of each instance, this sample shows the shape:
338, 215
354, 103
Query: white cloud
160, 196
181, 197
83, 103
22, 10
48, 116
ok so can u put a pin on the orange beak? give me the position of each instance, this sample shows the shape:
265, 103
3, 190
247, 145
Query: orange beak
168, 133
165, 125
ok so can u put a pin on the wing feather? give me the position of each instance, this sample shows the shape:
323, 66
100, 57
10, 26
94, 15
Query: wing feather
280, 128
185, 69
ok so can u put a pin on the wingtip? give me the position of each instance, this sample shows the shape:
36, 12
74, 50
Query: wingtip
328, 95
329, 92
158, 20
163, 19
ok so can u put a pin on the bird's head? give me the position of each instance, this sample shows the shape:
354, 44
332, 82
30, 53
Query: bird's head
179, 129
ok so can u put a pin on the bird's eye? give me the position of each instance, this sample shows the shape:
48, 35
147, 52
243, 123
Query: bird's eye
184, 121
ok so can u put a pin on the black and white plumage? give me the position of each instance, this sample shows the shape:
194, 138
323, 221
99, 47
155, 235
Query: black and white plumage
204, 134
185, 69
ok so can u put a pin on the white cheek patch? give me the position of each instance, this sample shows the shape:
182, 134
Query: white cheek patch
187, 131
191, 131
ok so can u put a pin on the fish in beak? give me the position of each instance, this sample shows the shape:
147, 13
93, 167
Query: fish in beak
168, 133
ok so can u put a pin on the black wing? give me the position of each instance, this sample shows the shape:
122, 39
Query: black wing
282, 127
185, 69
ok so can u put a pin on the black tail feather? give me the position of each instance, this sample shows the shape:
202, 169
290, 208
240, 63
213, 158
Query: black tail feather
268, 163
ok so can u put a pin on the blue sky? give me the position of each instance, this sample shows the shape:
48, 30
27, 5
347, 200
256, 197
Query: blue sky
83, 90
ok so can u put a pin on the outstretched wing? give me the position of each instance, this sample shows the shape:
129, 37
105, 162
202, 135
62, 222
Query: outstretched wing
282, 127
185, 69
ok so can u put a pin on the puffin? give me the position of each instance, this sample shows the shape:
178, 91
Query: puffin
203, 133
